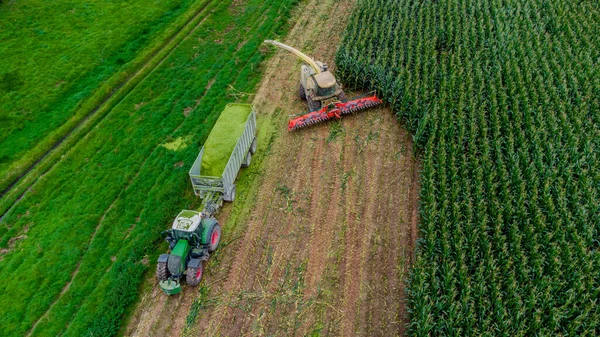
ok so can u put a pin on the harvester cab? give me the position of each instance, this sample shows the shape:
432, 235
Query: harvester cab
323, 93
192, 237
319, 89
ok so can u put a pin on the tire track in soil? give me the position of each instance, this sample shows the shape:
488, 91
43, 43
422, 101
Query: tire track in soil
323, 245
357, 238
294, 237
387, 255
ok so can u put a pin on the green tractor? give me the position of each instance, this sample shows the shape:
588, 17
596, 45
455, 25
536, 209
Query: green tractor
191, 240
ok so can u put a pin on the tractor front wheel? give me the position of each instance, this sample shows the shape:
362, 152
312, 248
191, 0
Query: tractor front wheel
342, 97
313, 105
162, 272
194, 275
302, 92
214, 237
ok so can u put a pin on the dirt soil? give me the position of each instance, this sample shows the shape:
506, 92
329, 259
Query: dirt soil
322, 233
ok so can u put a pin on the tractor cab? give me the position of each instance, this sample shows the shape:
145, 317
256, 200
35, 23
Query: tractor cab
186, 226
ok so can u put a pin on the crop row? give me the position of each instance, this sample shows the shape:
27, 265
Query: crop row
79, 242
503, 98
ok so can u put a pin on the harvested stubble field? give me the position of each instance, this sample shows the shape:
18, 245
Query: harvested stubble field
320, 237
75, 248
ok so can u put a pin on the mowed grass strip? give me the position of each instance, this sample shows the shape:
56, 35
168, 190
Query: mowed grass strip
61, 59
503, 98
90, 222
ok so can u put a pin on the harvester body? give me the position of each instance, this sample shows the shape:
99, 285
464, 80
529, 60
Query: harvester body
323, 93
194, 235
317, 84
320, 89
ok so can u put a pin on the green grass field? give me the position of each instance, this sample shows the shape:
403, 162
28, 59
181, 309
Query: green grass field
79, 242
61, 57
503, 98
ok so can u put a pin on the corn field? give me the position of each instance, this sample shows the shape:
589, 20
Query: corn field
503, 99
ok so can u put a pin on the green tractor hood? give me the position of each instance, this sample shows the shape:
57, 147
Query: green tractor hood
176, 266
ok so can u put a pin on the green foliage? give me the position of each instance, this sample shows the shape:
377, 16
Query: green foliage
10, 81
335, 129
57, 55
222, 139
94, 218
503, 98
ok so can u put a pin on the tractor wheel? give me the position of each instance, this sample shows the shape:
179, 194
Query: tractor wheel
313, 105
247, 160
302, 92
194, 275
342, 97
162, 272
214, 238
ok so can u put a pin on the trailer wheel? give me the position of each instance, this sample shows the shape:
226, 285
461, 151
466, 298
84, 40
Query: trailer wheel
231, 196
162, 272
302, 92
194, 275
253, 146
214, 238
247, 160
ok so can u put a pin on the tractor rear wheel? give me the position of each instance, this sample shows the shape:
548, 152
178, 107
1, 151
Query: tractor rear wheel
313, 105
194, 275
302, 92
214, 237
162, 272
